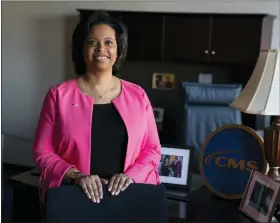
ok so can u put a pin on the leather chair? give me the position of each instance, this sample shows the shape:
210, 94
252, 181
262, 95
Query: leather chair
139, 203
202, 109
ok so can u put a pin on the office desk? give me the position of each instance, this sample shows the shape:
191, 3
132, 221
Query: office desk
203, 206
26, 206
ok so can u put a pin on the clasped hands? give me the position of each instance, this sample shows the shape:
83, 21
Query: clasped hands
92, 185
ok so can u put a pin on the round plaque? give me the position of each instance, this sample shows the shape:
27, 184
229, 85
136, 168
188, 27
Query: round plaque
227, 157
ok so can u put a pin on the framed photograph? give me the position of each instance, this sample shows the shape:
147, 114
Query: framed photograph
163, 81
158, 113
175, 166
260, 197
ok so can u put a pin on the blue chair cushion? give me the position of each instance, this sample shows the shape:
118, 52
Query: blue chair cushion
210, 94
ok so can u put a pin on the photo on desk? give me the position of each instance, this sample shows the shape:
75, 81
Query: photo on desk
260, 197
174, 166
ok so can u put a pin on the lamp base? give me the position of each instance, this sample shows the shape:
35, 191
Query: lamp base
274, 173
272, 148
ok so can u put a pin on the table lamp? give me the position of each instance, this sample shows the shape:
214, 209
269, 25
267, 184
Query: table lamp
261, 96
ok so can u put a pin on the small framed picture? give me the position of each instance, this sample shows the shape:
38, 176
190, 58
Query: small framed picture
260, 197
158, 113
175, 166
163, 81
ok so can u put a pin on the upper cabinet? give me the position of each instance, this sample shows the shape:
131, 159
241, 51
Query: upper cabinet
235, 39
213, 39
144, 35
216, 39
186, 38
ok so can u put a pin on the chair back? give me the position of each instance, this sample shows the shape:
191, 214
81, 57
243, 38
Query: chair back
137, 204
203, 108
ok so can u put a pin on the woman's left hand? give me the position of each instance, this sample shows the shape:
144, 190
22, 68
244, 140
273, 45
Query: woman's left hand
119, 182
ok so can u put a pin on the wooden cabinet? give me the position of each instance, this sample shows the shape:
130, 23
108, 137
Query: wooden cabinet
213, 39
186, 38
235, 39
144, 35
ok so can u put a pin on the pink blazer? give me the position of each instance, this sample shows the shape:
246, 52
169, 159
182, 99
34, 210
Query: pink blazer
63, 135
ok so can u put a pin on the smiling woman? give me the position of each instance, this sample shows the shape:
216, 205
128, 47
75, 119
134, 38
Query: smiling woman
87, 134
83, 37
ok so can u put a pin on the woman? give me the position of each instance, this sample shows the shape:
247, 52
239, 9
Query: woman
97, 129
165, 166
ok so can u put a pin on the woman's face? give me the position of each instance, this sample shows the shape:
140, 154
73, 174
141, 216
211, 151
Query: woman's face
100, 50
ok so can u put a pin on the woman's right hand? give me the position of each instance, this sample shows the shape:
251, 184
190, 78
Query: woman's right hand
92, 186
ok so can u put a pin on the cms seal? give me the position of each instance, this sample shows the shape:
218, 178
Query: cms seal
227, 158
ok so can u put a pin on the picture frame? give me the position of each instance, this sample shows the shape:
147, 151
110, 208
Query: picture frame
163, 81
177, 172
260, 197
158, 113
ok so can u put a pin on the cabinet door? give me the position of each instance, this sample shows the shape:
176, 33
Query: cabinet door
144, 35
235, 39
186, 38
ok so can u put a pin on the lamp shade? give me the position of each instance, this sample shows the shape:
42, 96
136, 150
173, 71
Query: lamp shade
261, 94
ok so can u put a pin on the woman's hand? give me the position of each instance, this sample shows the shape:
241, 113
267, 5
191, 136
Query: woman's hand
119, 182
92, 186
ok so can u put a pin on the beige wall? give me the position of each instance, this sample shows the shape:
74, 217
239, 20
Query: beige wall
36, 54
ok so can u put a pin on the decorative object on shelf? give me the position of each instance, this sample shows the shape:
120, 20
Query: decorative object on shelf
227, 157
205, 78
261, 96
159, 114
163, 81
175, 166
260, 197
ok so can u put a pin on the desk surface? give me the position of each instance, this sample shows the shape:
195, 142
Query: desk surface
203, 206
26, 178
207, 207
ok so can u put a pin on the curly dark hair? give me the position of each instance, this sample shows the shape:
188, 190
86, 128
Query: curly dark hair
81, 32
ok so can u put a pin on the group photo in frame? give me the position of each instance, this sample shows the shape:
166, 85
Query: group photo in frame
260, 197
175, 166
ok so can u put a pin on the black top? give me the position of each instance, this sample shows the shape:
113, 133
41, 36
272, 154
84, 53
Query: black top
108, 141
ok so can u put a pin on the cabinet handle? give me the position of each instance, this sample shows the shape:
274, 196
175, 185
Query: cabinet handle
213, 52
206, 51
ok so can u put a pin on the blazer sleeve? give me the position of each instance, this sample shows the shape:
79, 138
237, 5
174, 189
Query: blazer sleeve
46, 158
150, 154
